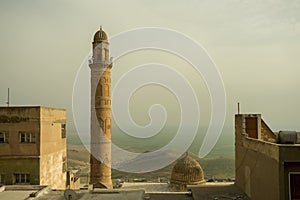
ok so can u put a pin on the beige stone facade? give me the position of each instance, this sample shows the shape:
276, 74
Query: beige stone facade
265, 169
100, 160
33, 146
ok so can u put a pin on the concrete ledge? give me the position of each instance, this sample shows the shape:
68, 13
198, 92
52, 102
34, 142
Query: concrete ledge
266, 148
40, 189
40, 192
24, 187
18, 157
114, 191
2, 188
177, 193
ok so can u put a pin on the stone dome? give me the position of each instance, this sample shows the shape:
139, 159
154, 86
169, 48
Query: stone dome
187, 171
100, 36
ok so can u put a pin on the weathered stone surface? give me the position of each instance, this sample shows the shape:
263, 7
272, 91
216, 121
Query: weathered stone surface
43, 157
187, 171
100, 159
262, 165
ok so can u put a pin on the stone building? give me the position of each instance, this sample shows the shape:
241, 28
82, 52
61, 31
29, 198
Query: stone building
33, 146
187, 171
100, 159
266, 167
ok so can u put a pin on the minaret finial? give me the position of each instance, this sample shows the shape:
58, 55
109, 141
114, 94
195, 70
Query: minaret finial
101, 28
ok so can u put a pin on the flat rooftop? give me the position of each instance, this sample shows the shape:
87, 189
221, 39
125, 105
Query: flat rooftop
15, 195
219, 190
96, 194
19, 192
29, 106
133, 191
148, 187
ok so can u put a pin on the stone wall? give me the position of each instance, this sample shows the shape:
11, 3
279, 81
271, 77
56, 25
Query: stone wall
53, 158
52, 171
257, 165
44, 159
10, 166
267, 134
16, 119
262, 165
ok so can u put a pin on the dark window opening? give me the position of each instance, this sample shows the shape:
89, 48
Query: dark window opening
26, 137
251, 127
4, 137
63, 131
21, 178
294, 186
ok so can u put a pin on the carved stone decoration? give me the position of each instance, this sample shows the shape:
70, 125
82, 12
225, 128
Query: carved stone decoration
12, 119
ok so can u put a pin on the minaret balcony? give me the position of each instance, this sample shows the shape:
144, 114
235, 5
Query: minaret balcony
92, 61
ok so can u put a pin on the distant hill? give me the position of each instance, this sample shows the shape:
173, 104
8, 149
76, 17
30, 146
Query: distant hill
218, 164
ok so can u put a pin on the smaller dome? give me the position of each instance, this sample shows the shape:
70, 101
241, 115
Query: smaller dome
100, 35
187, 171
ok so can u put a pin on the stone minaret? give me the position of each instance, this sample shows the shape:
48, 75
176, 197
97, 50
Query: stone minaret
100, 159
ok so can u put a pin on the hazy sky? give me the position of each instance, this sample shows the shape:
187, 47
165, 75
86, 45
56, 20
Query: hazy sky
255, 44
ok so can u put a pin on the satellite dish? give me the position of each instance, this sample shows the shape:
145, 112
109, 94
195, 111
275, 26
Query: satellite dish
70, 195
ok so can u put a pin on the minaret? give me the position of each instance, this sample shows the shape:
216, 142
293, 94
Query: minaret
100, 158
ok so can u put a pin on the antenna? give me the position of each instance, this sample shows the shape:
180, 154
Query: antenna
7, 97
238, 104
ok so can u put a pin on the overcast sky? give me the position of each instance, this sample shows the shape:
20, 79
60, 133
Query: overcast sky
254, 43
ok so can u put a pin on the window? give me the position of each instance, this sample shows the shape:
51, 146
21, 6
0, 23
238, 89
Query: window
4, 137
21, 178
63, 130
251, 127
106, 54
26, 137
2, 179
64, 164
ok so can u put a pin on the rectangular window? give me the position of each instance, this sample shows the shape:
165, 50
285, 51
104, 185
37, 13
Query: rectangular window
26, 137
32, 138
251, 127
22, 178
63, 131
4, 137
2, 179
27, 178
22, 136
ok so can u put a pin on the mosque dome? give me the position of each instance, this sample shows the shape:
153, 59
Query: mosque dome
100, 36
187, 171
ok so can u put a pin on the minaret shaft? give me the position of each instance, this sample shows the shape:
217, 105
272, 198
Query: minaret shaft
100, 159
